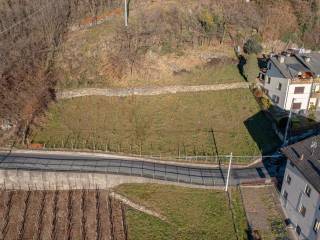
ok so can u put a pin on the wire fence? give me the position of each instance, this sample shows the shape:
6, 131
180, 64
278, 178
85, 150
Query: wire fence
183, 157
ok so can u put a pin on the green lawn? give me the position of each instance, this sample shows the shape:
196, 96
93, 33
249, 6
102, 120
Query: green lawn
179, 124
190, 213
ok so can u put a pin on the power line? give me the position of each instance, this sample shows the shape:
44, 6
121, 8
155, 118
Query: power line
25, 19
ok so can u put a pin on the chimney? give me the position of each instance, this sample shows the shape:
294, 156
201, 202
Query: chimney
281, 58
302, 157
307, 59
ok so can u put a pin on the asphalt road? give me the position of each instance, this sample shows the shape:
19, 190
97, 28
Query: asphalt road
176, 173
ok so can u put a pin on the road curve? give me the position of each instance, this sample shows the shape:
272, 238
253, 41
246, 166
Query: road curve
205, 176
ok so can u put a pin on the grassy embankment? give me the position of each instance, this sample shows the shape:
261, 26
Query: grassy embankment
170, 125
190, 213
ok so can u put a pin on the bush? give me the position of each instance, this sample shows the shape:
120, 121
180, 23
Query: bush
258, 93
312, 112
252, 46
251, 68
266, 103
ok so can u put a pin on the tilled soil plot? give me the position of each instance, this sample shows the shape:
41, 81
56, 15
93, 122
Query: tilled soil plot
16, 209
74, 214
117, 221
31, 223
103, 221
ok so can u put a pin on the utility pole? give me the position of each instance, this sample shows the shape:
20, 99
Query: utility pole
288, 125
125, 13
229, 169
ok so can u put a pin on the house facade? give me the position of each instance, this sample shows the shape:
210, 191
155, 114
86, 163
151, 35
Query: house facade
300, 193
292, 80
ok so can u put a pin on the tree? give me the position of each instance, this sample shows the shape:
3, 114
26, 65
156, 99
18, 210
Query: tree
251, 68
252, 46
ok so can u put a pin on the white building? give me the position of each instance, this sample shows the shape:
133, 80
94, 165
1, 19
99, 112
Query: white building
300, 193
292, 80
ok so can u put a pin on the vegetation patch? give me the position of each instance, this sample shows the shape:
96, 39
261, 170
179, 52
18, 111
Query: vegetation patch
191, 213
206, 123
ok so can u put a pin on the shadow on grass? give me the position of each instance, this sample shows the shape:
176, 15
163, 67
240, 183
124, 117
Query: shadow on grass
261, 131
242, 62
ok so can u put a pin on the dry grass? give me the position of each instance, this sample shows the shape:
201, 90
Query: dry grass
83, 61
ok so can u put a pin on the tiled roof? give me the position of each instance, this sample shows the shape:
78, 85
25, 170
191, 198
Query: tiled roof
314, 64
296, 63
305, 155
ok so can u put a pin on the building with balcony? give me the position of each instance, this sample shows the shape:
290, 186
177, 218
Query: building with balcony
292, 80
300, 193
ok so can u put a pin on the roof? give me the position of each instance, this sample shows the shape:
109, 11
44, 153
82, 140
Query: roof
305, 155
314, 64
291, 66
296, 63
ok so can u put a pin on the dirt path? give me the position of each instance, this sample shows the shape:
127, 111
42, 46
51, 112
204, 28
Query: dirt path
148, 91
136, 206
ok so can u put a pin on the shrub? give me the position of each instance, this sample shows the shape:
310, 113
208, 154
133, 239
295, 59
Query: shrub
266, 103
252, 46
251, 68
312, 112
258, 93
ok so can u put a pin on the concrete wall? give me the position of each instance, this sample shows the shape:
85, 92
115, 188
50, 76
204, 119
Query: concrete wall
286, 94
276, 78
297, 196
299, 98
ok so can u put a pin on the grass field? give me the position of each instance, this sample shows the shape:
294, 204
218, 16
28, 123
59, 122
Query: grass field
179, 124
190, 213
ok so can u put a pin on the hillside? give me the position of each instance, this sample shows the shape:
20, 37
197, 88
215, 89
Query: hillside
167, 43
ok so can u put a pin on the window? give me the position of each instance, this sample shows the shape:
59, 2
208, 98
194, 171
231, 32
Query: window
279, 86
316, 226
285, 195
298, 90
288, 179
307, 190
269, 80
302, 210
298, 230
296, 106
275, 99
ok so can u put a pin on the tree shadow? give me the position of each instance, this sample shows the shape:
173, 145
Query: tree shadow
242, 62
